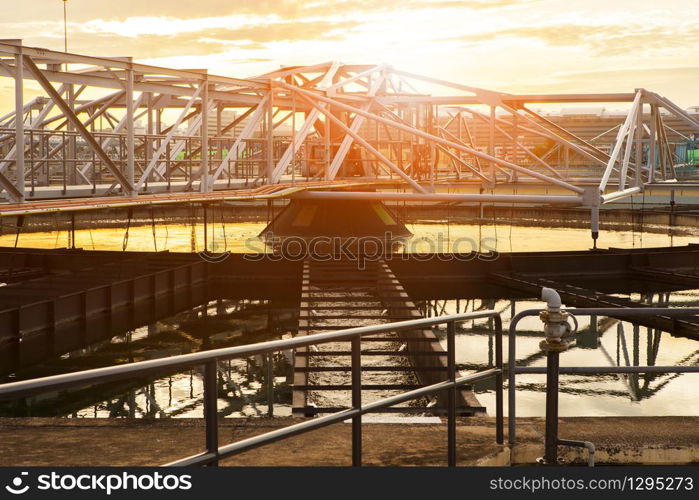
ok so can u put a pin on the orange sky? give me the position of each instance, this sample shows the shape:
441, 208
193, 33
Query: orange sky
510, 45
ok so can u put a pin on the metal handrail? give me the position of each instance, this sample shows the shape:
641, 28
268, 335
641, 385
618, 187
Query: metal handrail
209, 359
513, 369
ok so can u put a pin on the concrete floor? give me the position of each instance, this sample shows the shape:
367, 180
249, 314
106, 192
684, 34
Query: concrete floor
94, 442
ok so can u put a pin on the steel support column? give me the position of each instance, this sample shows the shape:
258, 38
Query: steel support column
204, 166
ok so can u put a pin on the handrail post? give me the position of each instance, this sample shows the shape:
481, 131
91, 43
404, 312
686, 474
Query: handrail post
356, 402
511, 382
211, 408
451, 410
499, 412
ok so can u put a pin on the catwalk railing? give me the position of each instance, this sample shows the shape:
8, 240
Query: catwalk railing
620, 313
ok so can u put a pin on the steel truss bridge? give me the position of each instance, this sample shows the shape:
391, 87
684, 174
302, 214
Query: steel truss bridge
110, 132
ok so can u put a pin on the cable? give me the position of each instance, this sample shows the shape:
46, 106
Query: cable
223, 230
152, 225
20, 223
58, 233
167, 227
643, 206
89, 229
125, 243
193, 231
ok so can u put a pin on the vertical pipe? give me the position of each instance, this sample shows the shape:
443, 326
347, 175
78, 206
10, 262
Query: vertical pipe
72, 230
204, 166
551, 436
19, 122
356, 402
210, 408
451, 402
130, 144
499, 405
270, 385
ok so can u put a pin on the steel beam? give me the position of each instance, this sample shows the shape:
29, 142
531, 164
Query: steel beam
19, 126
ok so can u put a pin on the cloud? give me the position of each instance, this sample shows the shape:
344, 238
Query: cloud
605, 40
187, 43
676, 83
285, 32
86, 10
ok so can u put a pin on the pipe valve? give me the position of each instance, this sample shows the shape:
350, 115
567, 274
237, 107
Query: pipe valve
557, 330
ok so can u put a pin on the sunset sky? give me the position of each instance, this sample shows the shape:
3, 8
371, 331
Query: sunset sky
516, 46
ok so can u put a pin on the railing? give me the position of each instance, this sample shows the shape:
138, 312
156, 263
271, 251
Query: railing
513, 369
209, 359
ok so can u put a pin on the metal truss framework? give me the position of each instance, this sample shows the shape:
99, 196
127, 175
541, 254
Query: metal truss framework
312, 124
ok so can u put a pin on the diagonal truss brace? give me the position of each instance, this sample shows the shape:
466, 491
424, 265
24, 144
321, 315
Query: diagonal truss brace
354, 127
163, 145
244, 136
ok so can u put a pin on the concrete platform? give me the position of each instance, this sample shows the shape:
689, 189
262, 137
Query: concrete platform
120, 442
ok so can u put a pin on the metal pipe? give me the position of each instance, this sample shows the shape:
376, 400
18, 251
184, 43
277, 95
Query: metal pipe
590, 447
592, 311
597, 370
606, 198
551, 297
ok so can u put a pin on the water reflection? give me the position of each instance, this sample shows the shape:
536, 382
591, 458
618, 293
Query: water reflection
243, 383
602, 341
241, 237
220, 323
